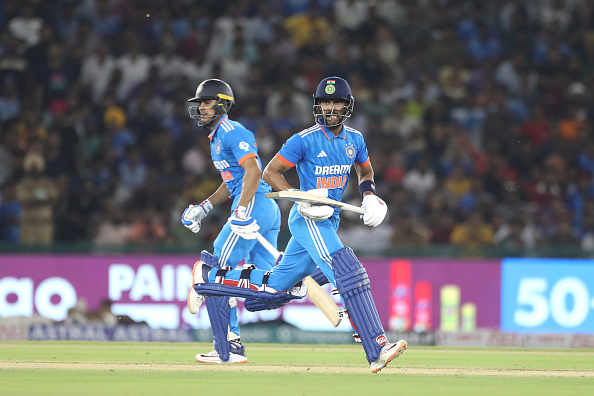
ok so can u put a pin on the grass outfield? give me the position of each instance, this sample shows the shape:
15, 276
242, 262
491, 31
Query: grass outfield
93, 368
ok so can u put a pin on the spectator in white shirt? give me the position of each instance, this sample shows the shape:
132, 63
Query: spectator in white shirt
26, 26
421, 179
170, 66
96, 72
134, 66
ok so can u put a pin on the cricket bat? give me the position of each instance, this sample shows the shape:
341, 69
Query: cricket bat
303, 196
322, 300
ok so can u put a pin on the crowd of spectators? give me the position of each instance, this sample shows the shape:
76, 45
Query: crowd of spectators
477, 114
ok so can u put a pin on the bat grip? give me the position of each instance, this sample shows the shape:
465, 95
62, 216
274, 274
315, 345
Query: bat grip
267, 245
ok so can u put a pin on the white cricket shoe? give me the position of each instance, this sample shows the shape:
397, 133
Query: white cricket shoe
236, 355
388, 353
195, 300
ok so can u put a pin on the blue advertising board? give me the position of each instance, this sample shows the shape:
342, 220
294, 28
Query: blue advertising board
547, 296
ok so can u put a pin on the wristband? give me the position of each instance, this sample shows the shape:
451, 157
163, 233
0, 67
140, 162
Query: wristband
206, 205
366, 185
240, 212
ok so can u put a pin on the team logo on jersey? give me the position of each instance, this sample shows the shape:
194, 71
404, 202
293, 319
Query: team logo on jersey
218, 148
330, 88
244, 146
350, 151
333, 176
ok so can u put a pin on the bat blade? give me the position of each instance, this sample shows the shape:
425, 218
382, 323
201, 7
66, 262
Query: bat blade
303, 196
322, 300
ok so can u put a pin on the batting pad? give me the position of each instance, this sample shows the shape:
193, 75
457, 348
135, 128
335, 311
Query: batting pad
254, 305
319, 277
209, 259
219, 313
353, 284
268, 299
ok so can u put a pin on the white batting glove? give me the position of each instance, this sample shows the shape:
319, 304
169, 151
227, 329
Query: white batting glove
244, 225
194, 214
322, 192
316, 212
375, 210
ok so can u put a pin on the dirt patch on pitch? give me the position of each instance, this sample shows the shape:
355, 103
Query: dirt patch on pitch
394, 370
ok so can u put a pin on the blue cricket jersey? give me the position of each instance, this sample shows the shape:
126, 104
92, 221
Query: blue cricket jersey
230, 145
324, 160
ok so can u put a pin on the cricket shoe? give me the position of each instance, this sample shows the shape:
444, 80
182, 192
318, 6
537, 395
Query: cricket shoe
236, 355
387, 354
199, 275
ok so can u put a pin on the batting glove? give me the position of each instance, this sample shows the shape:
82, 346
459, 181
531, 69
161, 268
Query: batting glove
375, 210
242, 224
316, 212
194, 214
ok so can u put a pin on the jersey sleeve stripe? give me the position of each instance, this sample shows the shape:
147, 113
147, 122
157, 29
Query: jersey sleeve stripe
220, 124
307, 131
364, 164
284, 161
353, 130
247, 156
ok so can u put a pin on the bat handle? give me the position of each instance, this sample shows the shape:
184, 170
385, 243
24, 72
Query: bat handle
267, 245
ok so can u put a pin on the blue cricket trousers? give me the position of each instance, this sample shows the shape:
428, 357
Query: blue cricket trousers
313, 244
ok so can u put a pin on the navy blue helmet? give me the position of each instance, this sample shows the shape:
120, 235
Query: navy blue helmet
212, 89
333, 88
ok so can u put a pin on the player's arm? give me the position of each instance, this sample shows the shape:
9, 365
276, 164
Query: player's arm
241, 221
221, 195
251, 180
273, 175
365, 175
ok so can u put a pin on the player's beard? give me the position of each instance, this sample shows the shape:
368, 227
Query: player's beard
332, 119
